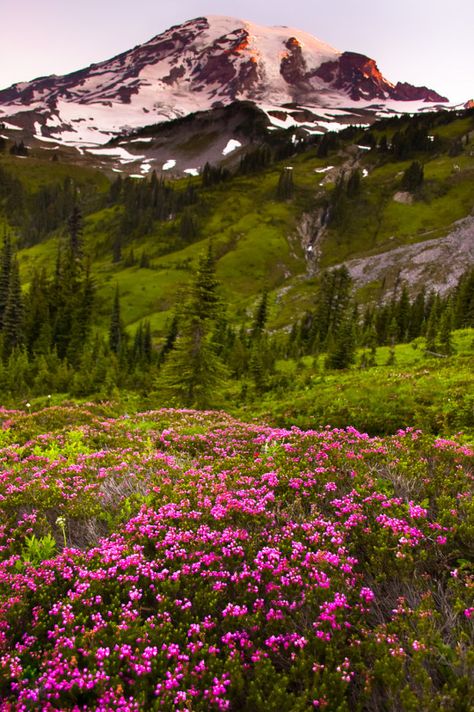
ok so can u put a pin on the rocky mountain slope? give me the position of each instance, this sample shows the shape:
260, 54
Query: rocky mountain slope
209, 62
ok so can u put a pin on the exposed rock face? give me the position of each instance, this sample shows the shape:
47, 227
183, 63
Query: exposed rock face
439, 263
360, 77
293, 67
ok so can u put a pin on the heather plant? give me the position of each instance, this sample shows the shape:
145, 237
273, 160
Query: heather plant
180, 560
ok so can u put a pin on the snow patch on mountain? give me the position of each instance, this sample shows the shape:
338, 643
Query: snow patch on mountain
123, 155
232, 145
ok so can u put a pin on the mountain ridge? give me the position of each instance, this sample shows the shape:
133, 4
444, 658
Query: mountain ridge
202, 64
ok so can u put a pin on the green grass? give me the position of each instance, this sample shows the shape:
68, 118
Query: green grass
36, 172
434, 394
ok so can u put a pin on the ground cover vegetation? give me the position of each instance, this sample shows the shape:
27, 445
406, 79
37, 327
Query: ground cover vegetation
180, 560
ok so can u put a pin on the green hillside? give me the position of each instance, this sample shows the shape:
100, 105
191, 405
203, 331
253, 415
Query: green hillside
256, 236
230, 289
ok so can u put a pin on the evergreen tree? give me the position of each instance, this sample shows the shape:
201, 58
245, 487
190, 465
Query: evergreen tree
13, 335
285, 186
170, 340
341, 352
5, 273
188, 227
464, 301
354, 184
445, 329
402, 315
117, 336
260, 317
75, 227
193, 372
413, 177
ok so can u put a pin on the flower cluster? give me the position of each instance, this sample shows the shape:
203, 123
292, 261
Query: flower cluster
201, 563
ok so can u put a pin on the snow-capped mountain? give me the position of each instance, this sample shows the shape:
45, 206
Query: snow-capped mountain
202, 64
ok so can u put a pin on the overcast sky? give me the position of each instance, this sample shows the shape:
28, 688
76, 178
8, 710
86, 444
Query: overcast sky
420, 41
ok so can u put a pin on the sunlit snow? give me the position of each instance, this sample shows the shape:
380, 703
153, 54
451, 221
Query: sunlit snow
11, 127
231, 146
120, 153
191, 171
168, 165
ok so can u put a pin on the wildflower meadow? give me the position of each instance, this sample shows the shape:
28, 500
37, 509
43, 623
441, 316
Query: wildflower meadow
181, 560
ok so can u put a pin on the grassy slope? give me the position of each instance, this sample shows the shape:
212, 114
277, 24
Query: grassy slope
255, 236
434, 394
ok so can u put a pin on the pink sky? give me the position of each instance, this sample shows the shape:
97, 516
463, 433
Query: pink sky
420, 41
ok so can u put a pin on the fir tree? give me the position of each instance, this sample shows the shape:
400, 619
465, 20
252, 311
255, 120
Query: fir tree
260, 317
285, 186
341, 352
413, 177
193, 372
445, 329
5, 273
13, 335
75, 227
117, 337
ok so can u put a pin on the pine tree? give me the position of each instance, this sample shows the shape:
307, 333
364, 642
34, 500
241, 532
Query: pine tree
193, 372
285, 186
260, 317
37, 321
75, 227
5, 272
188, 227
341, 350
170, 340
445, 331
117, 336
354, 184
402, 315
464, 301
13, 335
413, 177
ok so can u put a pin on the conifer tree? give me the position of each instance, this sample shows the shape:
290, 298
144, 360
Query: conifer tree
13, 335
341, 350
413, 177
170, 340
260, 317
285, 186
5, 272
445, 329
117, 336
75, 226
193, 372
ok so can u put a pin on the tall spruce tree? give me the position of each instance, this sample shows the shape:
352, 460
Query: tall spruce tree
117, 337
75, 226
13, 334
193, 372
5, 274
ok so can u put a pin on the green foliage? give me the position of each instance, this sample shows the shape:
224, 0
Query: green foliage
194, 372
36, 550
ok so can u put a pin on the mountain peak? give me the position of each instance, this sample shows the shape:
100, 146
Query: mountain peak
197, 65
